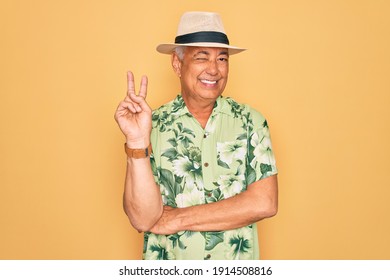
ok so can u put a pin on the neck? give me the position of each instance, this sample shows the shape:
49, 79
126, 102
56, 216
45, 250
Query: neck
200, 110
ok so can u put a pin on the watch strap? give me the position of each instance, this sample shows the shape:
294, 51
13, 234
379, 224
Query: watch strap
138, 153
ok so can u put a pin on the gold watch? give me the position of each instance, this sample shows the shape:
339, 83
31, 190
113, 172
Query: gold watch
138, 153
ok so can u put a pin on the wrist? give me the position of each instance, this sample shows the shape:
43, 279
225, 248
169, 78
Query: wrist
138, 144
182, 223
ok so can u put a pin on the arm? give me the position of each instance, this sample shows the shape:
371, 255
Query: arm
258, 202
141, 199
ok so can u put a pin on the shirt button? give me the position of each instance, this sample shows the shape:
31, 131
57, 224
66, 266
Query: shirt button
208, 256
206, 164
205, 135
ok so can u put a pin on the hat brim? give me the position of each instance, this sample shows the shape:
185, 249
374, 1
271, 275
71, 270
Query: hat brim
169, 48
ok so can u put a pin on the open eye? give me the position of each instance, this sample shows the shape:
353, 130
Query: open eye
223, 59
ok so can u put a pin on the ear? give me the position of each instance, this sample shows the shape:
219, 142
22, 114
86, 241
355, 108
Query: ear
176, 64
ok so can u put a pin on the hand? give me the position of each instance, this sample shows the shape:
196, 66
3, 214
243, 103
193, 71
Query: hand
134, 115
166, 224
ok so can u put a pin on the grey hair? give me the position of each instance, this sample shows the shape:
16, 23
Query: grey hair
180, 52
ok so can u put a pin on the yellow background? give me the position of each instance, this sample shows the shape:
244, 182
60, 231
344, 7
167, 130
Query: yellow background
318, 70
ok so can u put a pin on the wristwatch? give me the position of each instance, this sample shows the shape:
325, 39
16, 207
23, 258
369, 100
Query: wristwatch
138, 153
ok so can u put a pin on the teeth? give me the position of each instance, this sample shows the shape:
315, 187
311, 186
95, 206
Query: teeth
208, 82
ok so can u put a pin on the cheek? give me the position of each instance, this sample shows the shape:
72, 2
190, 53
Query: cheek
196, 69
224, 70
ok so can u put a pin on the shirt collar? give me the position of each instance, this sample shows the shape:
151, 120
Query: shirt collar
221, 106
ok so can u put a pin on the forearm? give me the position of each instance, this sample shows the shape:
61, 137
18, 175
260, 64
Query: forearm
142, 199
238, 211
259, 201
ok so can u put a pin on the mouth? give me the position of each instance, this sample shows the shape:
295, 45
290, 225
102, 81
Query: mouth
208, 82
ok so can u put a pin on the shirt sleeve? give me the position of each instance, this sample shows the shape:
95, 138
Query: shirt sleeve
261, 161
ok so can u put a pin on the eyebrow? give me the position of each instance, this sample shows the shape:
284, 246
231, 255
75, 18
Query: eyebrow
207, 53
201, 52
224, 52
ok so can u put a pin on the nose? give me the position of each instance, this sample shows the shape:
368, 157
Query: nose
212, 67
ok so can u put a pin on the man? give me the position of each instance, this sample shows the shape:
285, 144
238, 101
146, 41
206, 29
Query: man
212, 174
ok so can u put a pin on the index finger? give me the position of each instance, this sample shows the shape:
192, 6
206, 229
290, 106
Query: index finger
130, 83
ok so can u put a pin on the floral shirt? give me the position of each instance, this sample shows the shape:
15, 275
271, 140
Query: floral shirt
196, 166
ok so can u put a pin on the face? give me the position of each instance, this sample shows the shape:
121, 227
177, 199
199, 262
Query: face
203, 72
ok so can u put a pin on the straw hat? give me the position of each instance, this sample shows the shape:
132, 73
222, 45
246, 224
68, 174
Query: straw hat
200, 29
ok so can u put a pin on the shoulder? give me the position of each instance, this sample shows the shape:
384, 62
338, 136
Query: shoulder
167, 114
172, 106
244, 111
167, 107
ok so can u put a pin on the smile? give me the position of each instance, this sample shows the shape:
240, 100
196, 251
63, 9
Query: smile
208, 82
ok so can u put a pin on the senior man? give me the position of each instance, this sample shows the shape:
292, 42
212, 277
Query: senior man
200, 169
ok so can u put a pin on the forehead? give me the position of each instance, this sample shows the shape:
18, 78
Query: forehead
206, 50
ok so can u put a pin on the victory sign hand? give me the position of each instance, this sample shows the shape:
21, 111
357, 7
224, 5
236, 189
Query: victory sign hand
134, 116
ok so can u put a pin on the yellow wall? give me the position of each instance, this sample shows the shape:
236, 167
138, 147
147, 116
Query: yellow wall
318, 70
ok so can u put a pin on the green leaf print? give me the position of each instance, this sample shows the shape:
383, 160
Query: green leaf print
168, 181
162, 252
213, 195
236, 108
180, 126
188, 131
153, 164
170, 153
212, 239
161, 119
222, 164
242, 136
174, 238
183, 136
240, 245
146, 236
173, 142
250, 175
264, 168
181, 245
178, 104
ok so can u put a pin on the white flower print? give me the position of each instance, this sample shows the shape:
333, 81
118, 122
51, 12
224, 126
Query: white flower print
191, 170
231, 184
263, 150
195, 197
229, 151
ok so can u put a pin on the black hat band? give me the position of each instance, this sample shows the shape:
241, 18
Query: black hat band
202, 37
